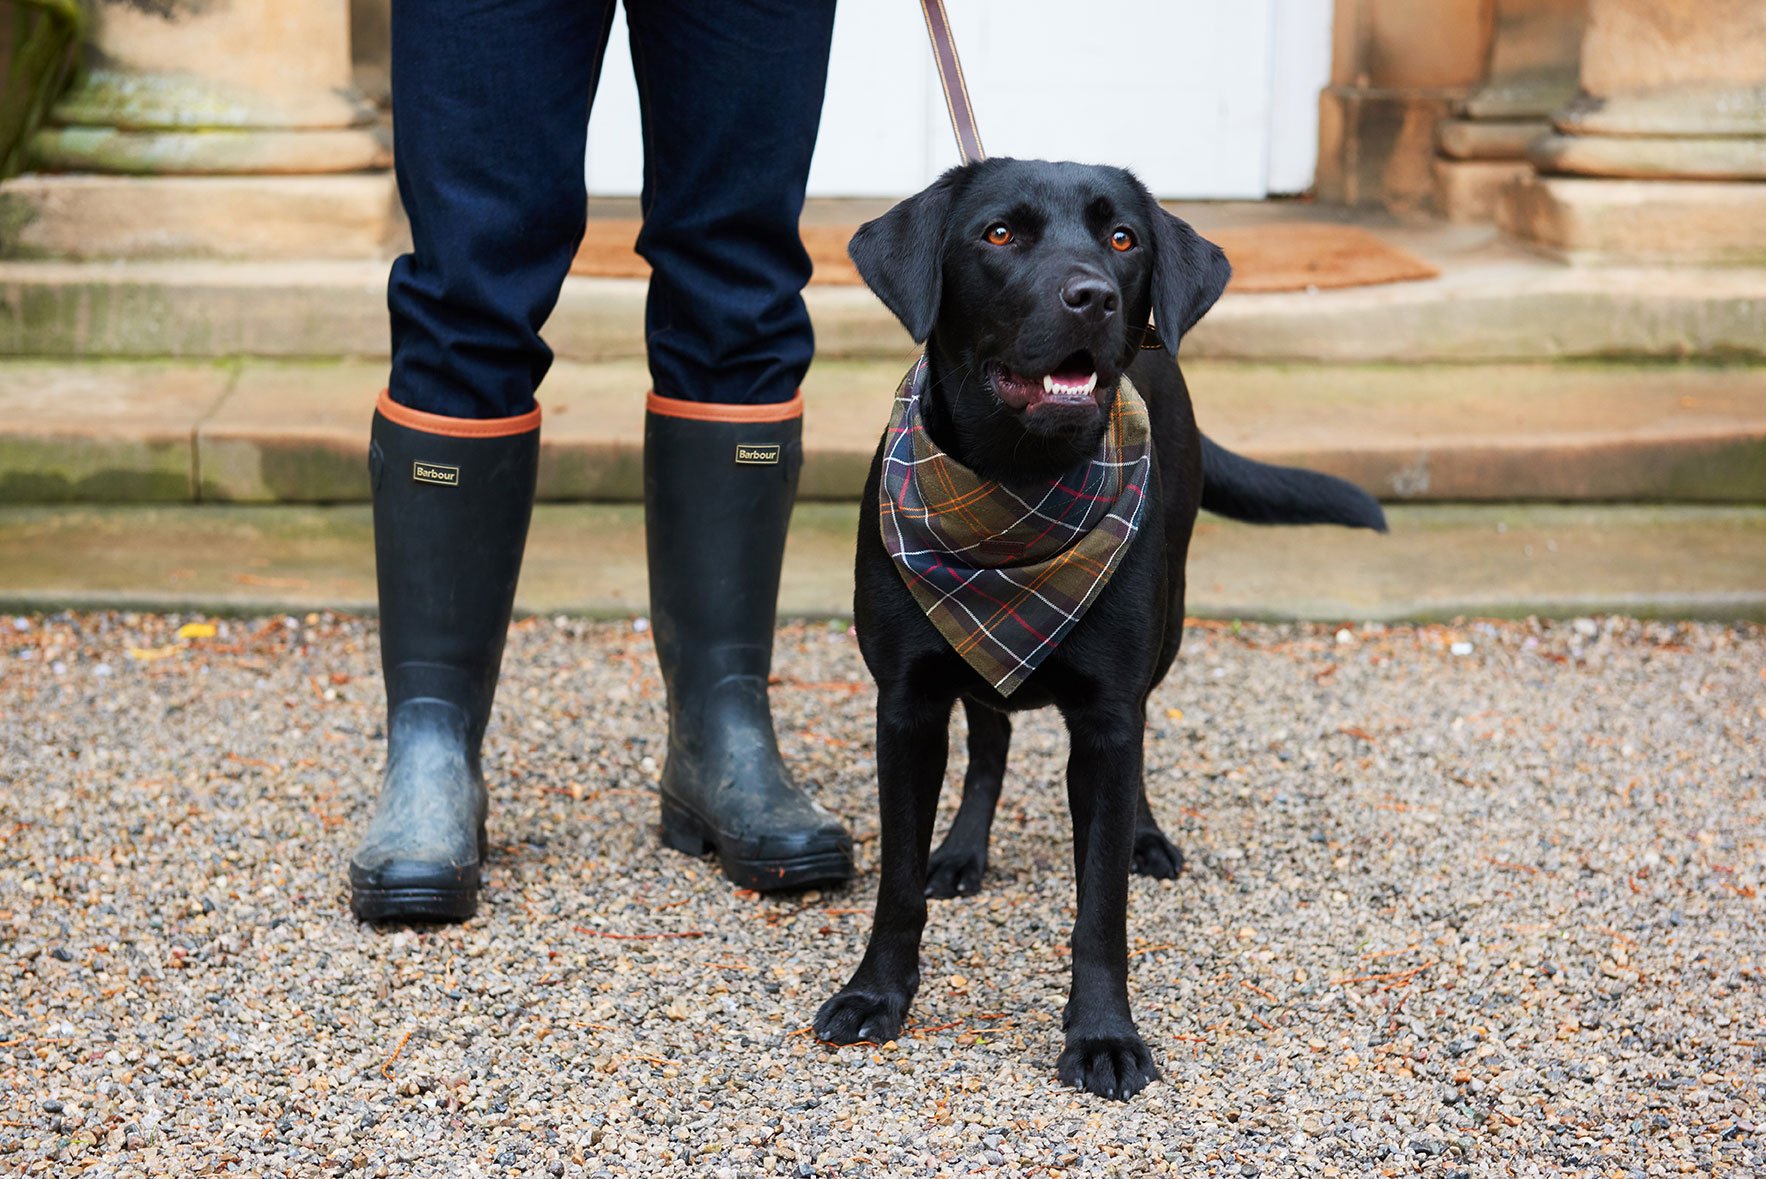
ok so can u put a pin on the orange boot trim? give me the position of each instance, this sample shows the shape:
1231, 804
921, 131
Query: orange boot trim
435, 423
712, 411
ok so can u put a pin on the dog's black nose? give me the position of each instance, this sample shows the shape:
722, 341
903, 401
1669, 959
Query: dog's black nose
1092, 298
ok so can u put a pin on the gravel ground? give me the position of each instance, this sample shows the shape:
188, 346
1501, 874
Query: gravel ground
1472, 900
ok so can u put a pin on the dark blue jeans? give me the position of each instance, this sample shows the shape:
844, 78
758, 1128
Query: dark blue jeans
490, 112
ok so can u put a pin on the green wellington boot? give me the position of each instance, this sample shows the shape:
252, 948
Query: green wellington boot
452, 498
719, 481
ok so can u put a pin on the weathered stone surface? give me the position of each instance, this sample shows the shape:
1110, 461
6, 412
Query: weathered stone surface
207, 152
297, 433
1685, 110
1438, 562
102, 433
1671, 67
1639, 46
1466, 191
1402, 45
1488, 139
1711, 157
1490, 303
1640, 221
1533, 52
1377, 148
257, 217
239, 64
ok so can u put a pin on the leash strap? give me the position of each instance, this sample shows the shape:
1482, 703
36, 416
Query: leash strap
950, 76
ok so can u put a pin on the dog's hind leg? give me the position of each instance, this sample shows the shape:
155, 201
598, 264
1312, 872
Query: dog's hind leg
1104, 1054
960, 862
1154, 854
913, 742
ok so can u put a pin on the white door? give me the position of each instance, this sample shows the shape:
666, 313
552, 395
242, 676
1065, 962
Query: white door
1202, 98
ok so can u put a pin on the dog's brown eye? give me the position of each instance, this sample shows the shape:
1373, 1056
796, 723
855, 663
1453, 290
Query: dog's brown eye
1122, 240
999, 235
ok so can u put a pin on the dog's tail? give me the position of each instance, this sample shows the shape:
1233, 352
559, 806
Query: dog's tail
1258, 493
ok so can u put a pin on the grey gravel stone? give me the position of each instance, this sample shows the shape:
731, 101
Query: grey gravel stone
1389, 844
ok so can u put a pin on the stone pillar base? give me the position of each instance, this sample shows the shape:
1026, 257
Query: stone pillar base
224, 217
1651, 157
113, 151
1690, 222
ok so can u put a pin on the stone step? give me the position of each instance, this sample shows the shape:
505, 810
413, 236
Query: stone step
1492, 302
265, 431
1438, 562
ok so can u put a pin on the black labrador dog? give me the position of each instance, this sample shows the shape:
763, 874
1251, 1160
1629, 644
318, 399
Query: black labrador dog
1037, 287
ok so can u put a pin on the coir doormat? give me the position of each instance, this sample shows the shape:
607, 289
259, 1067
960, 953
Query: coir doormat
1288, 257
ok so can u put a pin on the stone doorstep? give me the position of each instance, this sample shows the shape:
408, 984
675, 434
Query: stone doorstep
267, 432
103, 433
85, 216
1492, 302
1438, 562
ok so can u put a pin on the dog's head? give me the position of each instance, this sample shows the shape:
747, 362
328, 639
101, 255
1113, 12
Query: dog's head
1039, 279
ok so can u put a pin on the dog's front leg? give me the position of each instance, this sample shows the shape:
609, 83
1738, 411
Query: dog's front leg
1104, 1053
913, 741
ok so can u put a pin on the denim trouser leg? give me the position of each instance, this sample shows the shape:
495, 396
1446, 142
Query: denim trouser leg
490, 108
732, 96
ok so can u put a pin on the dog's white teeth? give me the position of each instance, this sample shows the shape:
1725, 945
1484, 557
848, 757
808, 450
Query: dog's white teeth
1091, 383
1048, 384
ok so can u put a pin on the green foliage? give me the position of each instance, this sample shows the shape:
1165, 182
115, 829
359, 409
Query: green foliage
39, 40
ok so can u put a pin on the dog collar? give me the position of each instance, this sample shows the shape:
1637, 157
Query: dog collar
1005, 572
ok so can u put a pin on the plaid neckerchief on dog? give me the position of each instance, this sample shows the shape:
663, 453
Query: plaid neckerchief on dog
1005, 572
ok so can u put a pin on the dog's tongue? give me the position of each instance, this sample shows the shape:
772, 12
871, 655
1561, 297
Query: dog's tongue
1016, 389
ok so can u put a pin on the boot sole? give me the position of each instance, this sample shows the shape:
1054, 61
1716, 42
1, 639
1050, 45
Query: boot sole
683, 831
413, 904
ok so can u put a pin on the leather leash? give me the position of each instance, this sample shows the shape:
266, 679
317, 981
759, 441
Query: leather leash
950, 76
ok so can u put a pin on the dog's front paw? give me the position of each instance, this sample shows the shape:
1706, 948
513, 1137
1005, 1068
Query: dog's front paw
955, 872
1155, 855
856, 1014
1116, 1067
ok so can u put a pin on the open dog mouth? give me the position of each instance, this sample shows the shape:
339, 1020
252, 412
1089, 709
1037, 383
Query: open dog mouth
1074, 381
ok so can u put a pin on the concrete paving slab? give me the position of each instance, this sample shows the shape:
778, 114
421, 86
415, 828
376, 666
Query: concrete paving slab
115, 432
1438, 562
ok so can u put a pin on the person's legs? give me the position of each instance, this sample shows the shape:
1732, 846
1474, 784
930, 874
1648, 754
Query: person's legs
490, 107
731, 96
490, 114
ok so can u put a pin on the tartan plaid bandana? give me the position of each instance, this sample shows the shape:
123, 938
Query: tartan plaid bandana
1005, 572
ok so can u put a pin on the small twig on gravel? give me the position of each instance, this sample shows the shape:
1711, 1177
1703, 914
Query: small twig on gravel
1251, 986
1388, 976
1512, 866
386, 1069
1154, 949
638, 937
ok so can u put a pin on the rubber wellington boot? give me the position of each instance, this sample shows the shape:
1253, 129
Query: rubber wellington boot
452, 498
719, 481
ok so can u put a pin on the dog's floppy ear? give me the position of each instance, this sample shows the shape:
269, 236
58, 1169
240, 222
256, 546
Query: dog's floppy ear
900, 255
1189, 272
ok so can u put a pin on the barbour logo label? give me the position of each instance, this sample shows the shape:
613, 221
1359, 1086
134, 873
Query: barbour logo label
436, 473
757, 454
